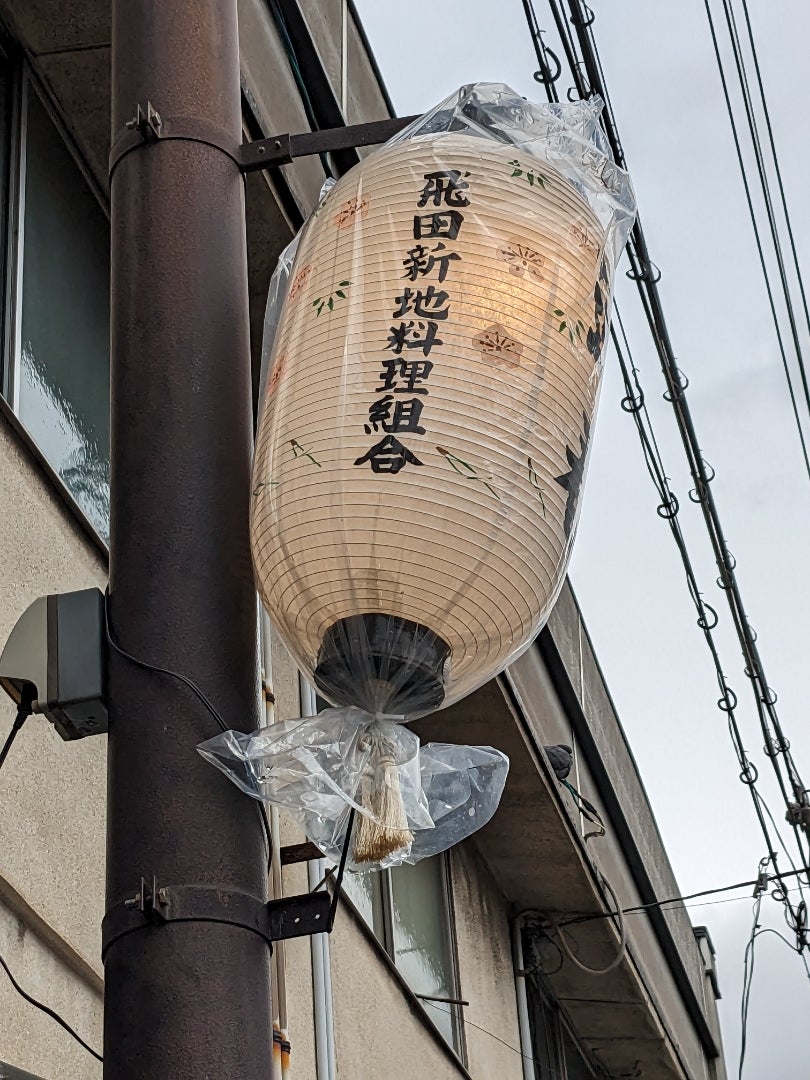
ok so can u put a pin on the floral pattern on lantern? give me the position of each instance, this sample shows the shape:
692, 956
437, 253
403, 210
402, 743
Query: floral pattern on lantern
276, 373
497, 346
299, 281
354, 209
581, 236
522, 259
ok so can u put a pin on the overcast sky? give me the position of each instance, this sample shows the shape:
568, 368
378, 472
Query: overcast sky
666, 93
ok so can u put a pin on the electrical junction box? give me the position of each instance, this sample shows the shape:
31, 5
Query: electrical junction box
56, 655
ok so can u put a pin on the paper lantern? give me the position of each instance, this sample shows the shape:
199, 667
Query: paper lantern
426, 427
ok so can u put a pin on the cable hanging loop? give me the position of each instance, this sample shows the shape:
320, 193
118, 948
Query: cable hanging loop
547, 76
646, 271
700, 491
586, 20
680, 382
705, 623
669, 508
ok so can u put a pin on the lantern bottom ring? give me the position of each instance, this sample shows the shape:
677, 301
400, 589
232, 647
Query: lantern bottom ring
382, 663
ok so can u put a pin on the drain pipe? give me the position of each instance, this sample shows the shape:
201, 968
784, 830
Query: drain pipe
322, 990
280, 1061
325, 1065
524, 1024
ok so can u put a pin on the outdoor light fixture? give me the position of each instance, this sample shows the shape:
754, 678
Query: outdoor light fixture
428, 413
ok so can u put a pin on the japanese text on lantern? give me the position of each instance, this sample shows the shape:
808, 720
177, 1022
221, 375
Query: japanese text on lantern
418, 315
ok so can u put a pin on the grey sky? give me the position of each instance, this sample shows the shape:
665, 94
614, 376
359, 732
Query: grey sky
667, 98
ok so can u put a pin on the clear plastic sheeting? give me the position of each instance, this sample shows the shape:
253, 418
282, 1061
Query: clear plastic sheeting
432, 363
434, 374
322, 767
566, 135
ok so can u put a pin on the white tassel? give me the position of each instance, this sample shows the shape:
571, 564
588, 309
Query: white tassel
384, 829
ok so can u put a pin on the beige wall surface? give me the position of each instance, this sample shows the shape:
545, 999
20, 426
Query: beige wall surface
486, 973
29, 1039
51, 799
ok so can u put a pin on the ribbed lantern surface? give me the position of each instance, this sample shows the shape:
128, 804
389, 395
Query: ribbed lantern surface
424, 437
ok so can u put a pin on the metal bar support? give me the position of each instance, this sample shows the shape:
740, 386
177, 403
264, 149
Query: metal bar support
282, 149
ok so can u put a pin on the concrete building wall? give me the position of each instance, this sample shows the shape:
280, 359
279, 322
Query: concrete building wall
486, 974
28, 1038
51, 803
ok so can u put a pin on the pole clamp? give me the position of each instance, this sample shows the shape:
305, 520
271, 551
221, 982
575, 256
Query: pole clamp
154, 905
147, 127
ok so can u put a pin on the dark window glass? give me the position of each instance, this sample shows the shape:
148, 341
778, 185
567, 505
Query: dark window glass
63, 393
576, 1067
545, 1037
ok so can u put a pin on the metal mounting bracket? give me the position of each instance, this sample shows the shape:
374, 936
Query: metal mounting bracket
282, 149
148, 126
156, 905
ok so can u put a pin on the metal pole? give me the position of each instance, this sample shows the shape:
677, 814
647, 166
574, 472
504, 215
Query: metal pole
186, 999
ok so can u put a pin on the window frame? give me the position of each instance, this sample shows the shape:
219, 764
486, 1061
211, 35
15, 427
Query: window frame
540, 996
448, 918
23, 81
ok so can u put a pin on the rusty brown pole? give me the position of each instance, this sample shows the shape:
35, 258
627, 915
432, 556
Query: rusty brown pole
183, 1000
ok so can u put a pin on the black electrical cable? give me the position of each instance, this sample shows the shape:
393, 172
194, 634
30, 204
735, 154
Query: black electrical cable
761, 253
23, 712
341, 868
573, 920
48, 1012
201, 697
776, 745
777, 169
748, 979
634, 403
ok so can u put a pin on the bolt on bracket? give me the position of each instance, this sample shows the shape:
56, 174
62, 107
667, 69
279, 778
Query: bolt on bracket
154, 905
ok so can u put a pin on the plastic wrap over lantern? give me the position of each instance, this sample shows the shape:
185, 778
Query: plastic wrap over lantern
427, 417
434, 352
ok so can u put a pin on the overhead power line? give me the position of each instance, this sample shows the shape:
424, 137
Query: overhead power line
589, 79
777, 747
772, 223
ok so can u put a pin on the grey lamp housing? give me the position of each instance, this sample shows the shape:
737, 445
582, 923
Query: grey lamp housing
56, 656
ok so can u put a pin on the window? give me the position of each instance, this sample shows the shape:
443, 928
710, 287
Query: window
56, 362
557, 1053
409, 910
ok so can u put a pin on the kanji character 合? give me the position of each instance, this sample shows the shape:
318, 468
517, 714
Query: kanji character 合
431, 303
421, 261
444, 224
445, 187
395, 415
409, 372
413, 335
388, 456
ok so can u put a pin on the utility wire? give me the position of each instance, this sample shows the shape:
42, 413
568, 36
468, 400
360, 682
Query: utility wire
48, 1011
777, 747
492, 1035
748, 979
757, 882
23, 712
774, 235
204, 700
634, 403
777, 169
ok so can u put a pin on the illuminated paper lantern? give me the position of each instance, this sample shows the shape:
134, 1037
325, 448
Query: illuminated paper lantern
427, 419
